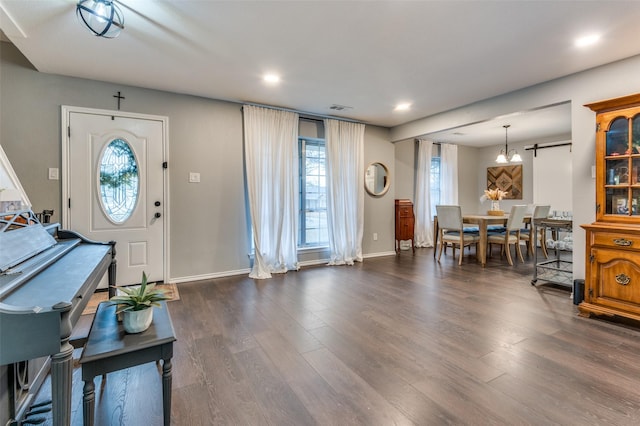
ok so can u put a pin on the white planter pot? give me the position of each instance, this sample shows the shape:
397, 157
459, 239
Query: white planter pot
137, 321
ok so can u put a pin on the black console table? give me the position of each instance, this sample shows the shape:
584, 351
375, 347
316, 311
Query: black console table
110, 349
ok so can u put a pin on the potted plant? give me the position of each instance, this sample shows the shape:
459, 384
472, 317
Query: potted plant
136, 304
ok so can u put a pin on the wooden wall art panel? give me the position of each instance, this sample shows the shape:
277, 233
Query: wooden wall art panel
506, 178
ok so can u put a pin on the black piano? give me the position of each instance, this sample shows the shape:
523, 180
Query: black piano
47, 276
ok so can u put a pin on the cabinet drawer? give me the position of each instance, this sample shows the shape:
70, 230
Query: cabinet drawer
405, 211
616, 240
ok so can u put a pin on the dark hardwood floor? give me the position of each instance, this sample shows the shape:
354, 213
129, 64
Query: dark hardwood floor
394, 340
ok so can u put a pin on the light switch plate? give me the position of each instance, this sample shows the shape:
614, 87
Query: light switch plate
53, 173
194, 177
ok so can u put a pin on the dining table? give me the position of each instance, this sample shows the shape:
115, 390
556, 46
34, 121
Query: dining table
482, 221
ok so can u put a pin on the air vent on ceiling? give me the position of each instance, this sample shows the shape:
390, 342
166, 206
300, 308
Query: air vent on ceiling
337, 107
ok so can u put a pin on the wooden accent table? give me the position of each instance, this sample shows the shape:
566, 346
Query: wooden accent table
405, 222
110, 349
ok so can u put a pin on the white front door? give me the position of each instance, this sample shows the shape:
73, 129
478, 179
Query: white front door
115, 186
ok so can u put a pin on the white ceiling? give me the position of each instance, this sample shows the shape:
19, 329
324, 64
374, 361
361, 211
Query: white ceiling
368, 55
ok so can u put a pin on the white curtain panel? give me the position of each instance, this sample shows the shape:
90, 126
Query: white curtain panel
424, 226
449, 174
271, 160
345, 190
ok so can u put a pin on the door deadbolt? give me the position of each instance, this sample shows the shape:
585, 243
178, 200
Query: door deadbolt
157, 203
157, 215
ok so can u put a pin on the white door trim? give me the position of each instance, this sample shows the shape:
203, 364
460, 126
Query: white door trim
66, 110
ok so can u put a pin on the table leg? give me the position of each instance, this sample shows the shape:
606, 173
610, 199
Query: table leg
166, 391
482, 245
88, 402
435, 235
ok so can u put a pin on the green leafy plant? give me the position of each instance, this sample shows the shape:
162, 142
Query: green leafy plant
137, 298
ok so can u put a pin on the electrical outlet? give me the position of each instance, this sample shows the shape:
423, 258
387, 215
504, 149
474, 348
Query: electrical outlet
194, 177
375, 236
53, 173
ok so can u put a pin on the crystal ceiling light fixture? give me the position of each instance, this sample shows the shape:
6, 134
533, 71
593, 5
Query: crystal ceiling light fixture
102, 17
505, 155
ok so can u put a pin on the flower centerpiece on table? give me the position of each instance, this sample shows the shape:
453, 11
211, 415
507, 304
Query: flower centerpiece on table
495, 195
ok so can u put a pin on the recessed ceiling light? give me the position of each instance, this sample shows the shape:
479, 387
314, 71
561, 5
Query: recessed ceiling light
403, 107
587, 40
271, 78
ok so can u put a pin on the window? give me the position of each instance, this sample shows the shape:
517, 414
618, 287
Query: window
312, 225
434, 181
118, 181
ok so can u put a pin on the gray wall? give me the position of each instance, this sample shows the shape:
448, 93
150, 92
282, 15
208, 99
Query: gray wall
472, 172
609, 81
378, 211
405, 154
208, 225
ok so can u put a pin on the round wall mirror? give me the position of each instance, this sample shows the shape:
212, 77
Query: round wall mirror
376, 179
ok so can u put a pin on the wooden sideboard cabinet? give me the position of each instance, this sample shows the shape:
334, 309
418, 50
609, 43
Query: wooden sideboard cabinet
612, 278
404, 223
612, 281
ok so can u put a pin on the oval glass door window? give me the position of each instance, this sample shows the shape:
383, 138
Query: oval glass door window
119, 181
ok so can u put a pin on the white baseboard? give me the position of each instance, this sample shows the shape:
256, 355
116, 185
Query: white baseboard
384, 253
203, 277
178, 280
313, 262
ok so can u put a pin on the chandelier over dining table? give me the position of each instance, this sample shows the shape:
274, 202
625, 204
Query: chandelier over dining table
508, 156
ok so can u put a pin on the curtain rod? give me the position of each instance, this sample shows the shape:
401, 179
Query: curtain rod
304, 114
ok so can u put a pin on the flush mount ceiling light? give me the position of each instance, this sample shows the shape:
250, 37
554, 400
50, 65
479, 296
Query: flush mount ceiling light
505, 155
587, 40
102, 17
271, 78
403, 107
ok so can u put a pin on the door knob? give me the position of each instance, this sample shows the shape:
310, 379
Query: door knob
157, 215
157, 203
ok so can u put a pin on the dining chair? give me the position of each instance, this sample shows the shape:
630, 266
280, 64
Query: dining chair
539, 212
510, 235
452, 231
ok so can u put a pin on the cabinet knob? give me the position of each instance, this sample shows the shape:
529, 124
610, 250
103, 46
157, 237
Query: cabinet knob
622, 242
623, 279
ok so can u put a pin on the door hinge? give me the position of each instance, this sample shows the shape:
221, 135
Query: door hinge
597, 127
69, 131
69, 202
590, 291
598, 208
165, 165
592, 258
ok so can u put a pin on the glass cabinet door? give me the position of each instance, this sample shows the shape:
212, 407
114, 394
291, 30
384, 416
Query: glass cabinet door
622, 167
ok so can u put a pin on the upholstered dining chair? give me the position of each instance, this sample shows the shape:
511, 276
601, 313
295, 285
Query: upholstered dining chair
452, 232
539, 212
511, 233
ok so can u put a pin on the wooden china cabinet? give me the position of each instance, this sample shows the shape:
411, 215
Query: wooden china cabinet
612, 281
